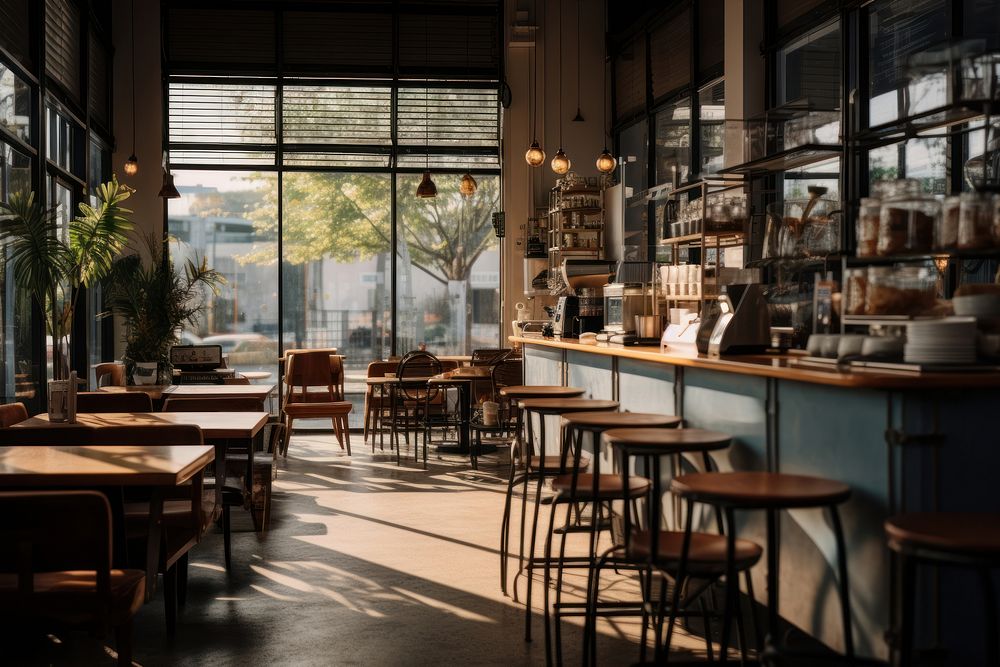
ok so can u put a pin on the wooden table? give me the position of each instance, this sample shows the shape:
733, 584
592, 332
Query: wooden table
214, 425
462, 380
154, 466
159, 392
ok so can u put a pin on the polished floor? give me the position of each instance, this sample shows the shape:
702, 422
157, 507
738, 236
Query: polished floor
366, 563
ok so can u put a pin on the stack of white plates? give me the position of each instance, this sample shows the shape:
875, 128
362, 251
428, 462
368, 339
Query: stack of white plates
951, 340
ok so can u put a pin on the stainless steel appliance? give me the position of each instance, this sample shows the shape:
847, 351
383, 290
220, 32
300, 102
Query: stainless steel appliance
743, 324
199, 364
571, 319
622, 302
583, 309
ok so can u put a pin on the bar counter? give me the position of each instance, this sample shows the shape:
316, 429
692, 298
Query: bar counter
904, 441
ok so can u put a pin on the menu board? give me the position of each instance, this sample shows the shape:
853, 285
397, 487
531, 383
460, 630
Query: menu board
899, 28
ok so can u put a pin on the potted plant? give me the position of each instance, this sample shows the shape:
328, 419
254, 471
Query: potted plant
155, 301
52, 266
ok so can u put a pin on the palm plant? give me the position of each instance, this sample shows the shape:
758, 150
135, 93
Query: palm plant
155, 301
52, 268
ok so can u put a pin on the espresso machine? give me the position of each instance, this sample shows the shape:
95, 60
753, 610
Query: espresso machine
739, 322
583, 310
625, 298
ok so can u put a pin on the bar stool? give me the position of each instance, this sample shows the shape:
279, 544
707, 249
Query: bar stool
653, 549
771, 492
576, 488
944, 538
541, 466
514, 394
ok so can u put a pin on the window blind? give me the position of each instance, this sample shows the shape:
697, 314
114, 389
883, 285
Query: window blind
342, 43
630, 78
670, 54
448, 117
15, 30
711, 34
336, 115
449, 44
99, 101
789, 10
222, 113
62, 44
200, 40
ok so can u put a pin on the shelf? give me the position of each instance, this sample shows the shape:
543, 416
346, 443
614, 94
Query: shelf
790, 158
912, 126
883, 320
576, 251
586, 210
696, 239
959, 254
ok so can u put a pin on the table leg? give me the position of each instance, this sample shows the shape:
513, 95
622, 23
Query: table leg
153, 538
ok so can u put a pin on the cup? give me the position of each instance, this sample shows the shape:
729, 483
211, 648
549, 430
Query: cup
850, 345
490, 410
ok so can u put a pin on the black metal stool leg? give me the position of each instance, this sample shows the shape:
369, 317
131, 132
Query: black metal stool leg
845, 588
728, 607
990, 616
908, 593
772, 575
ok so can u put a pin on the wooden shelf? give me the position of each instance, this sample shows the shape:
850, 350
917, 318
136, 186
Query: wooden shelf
790, 158
696, 239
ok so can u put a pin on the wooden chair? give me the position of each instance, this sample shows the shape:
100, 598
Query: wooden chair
55, 563
488, 357
375, 402
110, 374
64, 434
221, 404
102, 401
187, 513
324, 374
12, 413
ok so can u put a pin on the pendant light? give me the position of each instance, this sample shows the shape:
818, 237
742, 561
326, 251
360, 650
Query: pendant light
468, 184
168, 190
534, 156
560, 162
132, 163
426, 189
606, 162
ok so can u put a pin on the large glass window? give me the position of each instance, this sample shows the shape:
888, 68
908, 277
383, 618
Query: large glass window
809, 69
712, 122
673, 142
15, 104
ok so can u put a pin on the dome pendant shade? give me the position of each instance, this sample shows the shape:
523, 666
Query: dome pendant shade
534, 156
560, 163
168, 190
427, 189
132, 165
468, 185
606, 162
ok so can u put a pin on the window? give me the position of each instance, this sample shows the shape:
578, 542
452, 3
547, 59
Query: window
15, 105
673, 142
712, 123
809, 69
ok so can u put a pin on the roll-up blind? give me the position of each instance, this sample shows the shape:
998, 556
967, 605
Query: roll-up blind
62, 44
790, 10
448, 117
337, 115
711, 34
15, 30
334, 42
100, 91
670, 54
630, 78
222, 113
199, 40
449, 44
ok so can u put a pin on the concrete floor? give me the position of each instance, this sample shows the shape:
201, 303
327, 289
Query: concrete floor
366, 563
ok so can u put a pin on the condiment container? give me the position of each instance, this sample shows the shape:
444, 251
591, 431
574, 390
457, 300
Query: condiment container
946, 232
975, 222
907, 219
867, 227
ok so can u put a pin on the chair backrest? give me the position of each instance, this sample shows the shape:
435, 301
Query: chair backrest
165, 434
508, 373
314, 368
102, 401
488, 357
417, 365
220, 404
110, 373
12, 413
51, 531
378, 369
69, 434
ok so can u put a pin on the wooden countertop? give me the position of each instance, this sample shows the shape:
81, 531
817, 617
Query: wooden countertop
780, 366
234, 425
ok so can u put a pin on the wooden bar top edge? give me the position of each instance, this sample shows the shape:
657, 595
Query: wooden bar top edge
778, 366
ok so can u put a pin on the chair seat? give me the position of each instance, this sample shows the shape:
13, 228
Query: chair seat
604, 420
540, 391
176, 514
707, 554
69, 595
317, 410
609, 487
659, 441
557, 406
972, 533
761, 489
552, 463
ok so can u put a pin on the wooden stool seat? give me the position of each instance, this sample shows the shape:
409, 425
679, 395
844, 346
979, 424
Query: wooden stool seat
609, 487
557, 406
760, 489
659, 441
606, 420
974, 534
551, 463
707, 553
540, 391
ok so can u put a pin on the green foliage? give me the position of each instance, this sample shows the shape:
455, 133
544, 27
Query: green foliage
50, 269
155, 300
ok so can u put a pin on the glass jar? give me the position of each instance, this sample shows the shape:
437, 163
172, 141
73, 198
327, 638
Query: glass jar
975, 221
907, 219
946, 233
855, 287
910, 290
867, 227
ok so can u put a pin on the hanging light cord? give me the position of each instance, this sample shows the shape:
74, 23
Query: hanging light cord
132, 22
579, 8
604, 79
427, 113
559, 53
